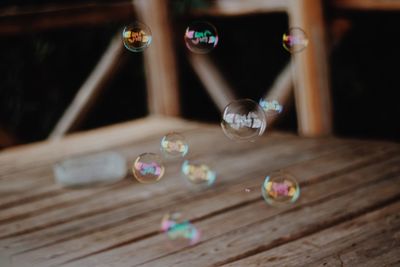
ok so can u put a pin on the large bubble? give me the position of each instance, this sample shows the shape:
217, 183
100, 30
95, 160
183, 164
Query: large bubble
243, 120
136, 37
180, 232
174, 145
295, 40
280, 188
201, 37
148, 168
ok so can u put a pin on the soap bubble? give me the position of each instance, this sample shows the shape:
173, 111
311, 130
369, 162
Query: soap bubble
148, 168
180, 232
272, 107
243, 120
199, 176
295, 40
136, 37
201, 37
174, 145
280, 188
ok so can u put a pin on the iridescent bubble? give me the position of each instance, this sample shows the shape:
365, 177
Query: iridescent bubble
174, 145
199, 176
272, 107
180, 232
295, 40
280, 188
201, 37
148, 168
136, 36
243, 120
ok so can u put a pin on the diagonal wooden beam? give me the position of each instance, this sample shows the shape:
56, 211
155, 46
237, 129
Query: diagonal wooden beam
213, 81
90, 90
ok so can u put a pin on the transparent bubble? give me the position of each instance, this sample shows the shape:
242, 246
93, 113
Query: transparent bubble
272, 107
199, 176
136, 36
243, 120
174, 145
280, 188
148, 168
247, 190
295, 40
180, 232
201, 37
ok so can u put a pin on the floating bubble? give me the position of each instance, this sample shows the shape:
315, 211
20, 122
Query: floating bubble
201, 37
180, 232
148, 168
200, 176
280, 188
272, 107
247, 190
243, 120
295, 40
174, 145
136, 37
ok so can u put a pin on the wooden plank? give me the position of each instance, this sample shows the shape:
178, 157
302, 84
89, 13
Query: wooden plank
223, 241
240, 8
213, 81
20, 20
331, 246
367, 5
311, 83
86, 96
160, 61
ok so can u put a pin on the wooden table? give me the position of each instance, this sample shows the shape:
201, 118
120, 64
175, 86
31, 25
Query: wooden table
348, 213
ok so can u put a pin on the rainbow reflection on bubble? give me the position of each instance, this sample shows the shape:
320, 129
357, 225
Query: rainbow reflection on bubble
295, 40
200, 176
148, 168
136, 36
243, 120
272, 107
280, 188
179, 232
201, 37
174, 145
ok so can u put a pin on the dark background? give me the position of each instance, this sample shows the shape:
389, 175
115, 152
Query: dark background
42, 71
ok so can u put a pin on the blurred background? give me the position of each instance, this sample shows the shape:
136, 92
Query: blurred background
48, 49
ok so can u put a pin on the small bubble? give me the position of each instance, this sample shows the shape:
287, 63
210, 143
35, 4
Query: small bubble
201, 37
295, 40
148, 168
174, 145
243, 120
180, 232
199, 176
136, 36
247, 190
280, 188
272, 107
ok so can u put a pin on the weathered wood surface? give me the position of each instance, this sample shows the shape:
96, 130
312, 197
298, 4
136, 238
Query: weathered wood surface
348, 212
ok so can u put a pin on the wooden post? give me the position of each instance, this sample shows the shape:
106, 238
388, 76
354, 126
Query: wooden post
311, 82
160, 65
